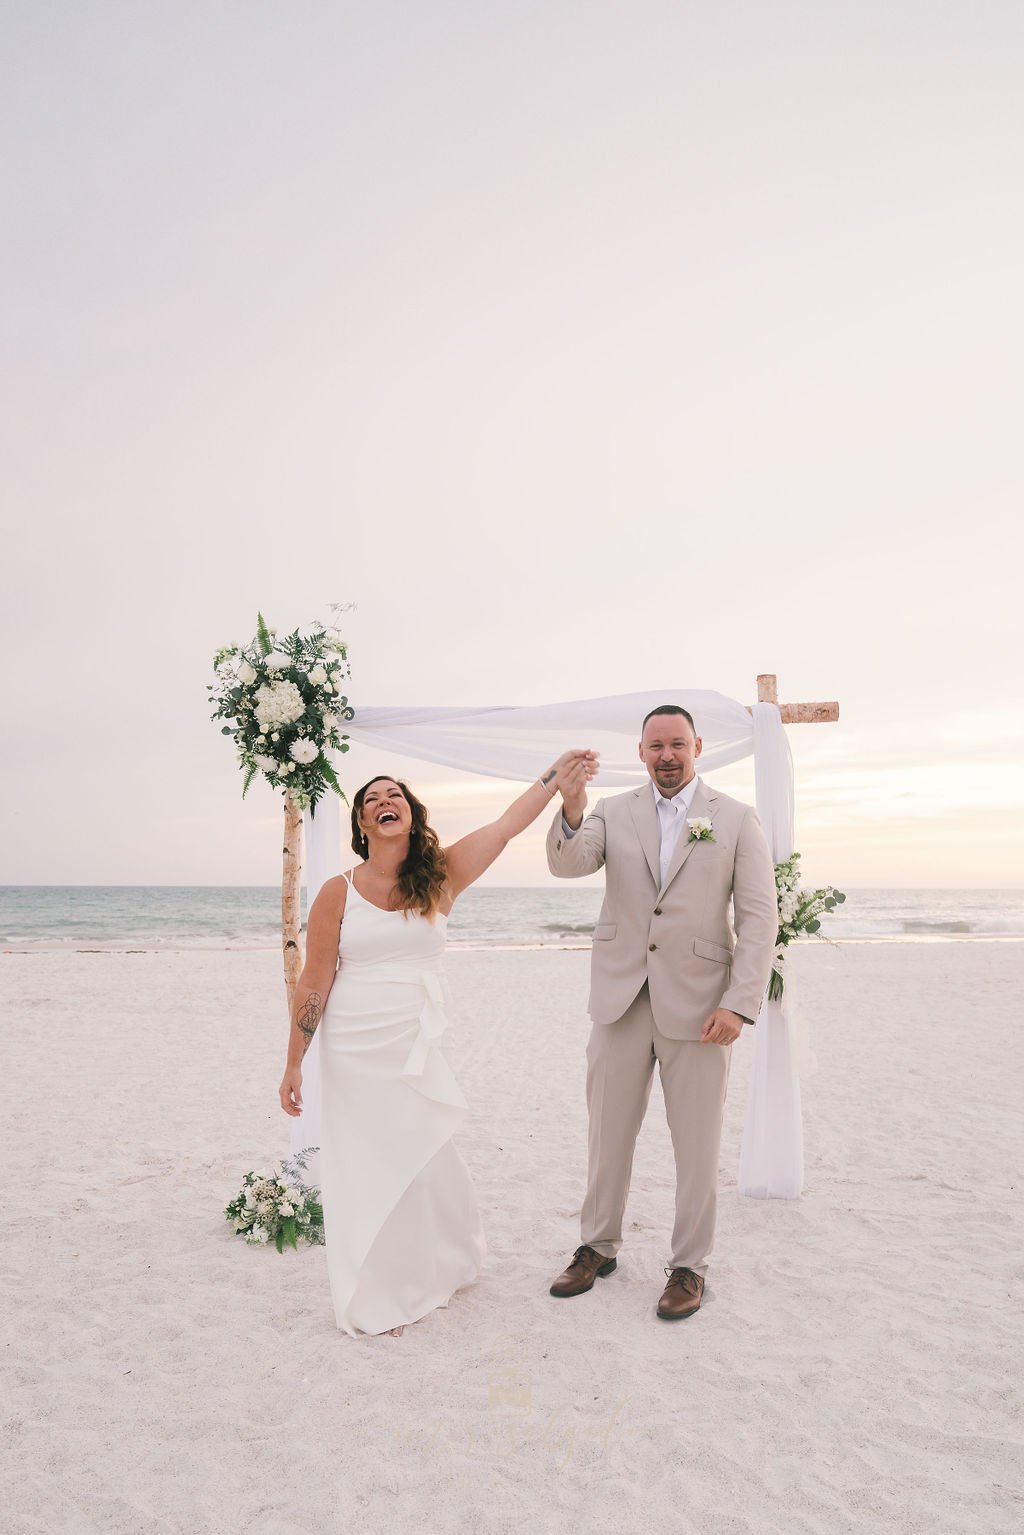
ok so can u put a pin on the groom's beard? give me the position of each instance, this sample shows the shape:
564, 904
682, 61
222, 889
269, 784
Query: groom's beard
670, 777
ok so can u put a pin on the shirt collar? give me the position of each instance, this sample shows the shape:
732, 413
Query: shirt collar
684, 798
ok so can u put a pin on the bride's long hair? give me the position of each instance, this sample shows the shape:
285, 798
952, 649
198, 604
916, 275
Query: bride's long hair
423, 876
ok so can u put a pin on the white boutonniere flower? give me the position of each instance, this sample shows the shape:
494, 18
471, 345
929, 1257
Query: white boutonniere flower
700, 829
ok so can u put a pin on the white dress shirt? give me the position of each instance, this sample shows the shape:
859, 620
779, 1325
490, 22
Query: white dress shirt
672, 815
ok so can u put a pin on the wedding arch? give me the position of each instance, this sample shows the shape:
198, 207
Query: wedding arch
519, 743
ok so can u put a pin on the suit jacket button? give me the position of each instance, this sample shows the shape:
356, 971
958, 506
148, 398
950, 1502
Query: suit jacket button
652, 947
657, 911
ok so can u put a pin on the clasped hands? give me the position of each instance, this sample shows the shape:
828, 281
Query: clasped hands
573, 771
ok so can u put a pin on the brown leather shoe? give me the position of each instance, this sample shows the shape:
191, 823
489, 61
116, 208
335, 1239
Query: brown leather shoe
682, 1295
585, 1267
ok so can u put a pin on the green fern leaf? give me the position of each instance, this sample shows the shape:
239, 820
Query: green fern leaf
331, 777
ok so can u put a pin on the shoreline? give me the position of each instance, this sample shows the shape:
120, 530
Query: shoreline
112, 946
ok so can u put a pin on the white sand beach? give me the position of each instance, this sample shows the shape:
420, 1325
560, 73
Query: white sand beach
856, 1366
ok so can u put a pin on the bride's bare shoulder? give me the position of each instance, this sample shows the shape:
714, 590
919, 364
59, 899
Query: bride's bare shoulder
332, 893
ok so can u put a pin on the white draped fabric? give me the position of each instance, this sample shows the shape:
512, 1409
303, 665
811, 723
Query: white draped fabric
772, 1151
519, 743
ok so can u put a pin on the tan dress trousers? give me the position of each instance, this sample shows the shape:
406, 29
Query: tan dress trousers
620, 1070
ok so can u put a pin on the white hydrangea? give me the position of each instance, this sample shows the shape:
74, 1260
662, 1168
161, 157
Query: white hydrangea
278, 703
331, 722
304, 751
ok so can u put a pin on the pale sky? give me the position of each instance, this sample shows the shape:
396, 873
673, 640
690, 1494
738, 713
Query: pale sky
587, 348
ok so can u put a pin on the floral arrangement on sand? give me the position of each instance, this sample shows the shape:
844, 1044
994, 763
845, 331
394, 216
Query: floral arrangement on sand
800, 913
278, 1207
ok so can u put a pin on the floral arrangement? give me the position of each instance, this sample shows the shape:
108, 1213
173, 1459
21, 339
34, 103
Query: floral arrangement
284, 704
278, 1207
799, 912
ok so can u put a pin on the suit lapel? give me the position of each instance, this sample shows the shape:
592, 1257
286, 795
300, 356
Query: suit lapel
645, 819
702, 804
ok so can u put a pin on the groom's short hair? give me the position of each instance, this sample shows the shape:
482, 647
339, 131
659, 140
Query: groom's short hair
668, 709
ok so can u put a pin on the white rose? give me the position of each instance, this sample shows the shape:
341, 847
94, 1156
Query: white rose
318, 675
268, 764
304, 751
276, 736
285, 1209
331, 722
276, 661
290, 768
328, 687
261, 740
246, 673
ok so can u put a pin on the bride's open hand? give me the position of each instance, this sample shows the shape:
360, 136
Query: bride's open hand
290, 1091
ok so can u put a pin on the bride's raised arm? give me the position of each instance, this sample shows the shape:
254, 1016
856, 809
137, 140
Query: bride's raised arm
471, 855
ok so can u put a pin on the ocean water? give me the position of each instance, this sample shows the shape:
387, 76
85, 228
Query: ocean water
246, 916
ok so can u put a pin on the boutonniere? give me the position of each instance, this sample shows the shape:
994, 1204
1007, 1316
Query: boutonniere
700, 829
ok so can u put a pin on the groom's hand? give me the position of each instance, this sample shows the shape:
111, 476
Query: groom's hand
575, 769
722, 1027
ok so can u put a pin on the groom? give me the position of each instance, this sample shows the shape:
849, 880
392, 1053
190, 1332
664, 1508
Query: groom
673, 980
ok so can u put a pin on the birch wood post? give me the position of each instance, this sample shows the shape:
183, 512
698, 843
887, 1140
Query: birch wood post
291, 886
793, 714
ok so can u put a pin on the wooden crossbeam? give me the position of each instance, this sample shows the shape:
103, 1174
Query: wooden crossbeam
793, 714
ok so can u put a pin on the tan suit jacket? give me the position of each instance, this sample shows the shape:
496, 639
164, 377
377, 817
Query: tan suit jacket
703, 939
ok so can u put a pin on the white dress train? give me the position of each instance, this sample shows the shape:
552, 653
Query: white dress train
401, 1220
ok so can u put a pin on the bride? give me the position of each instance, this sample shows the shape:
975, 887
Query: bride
401, 1221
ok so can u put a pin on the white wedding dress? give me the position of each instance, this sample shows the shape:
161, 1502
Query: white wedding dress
401, 1220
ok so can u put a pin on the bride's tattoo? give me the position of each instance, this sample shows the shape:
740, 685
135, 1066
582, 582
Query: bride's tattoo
308, 1017
547, 777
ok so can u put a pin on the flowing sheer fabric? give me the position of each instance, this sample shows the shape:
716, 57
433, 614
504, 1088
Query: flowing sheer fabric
772, 1150
519, 743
